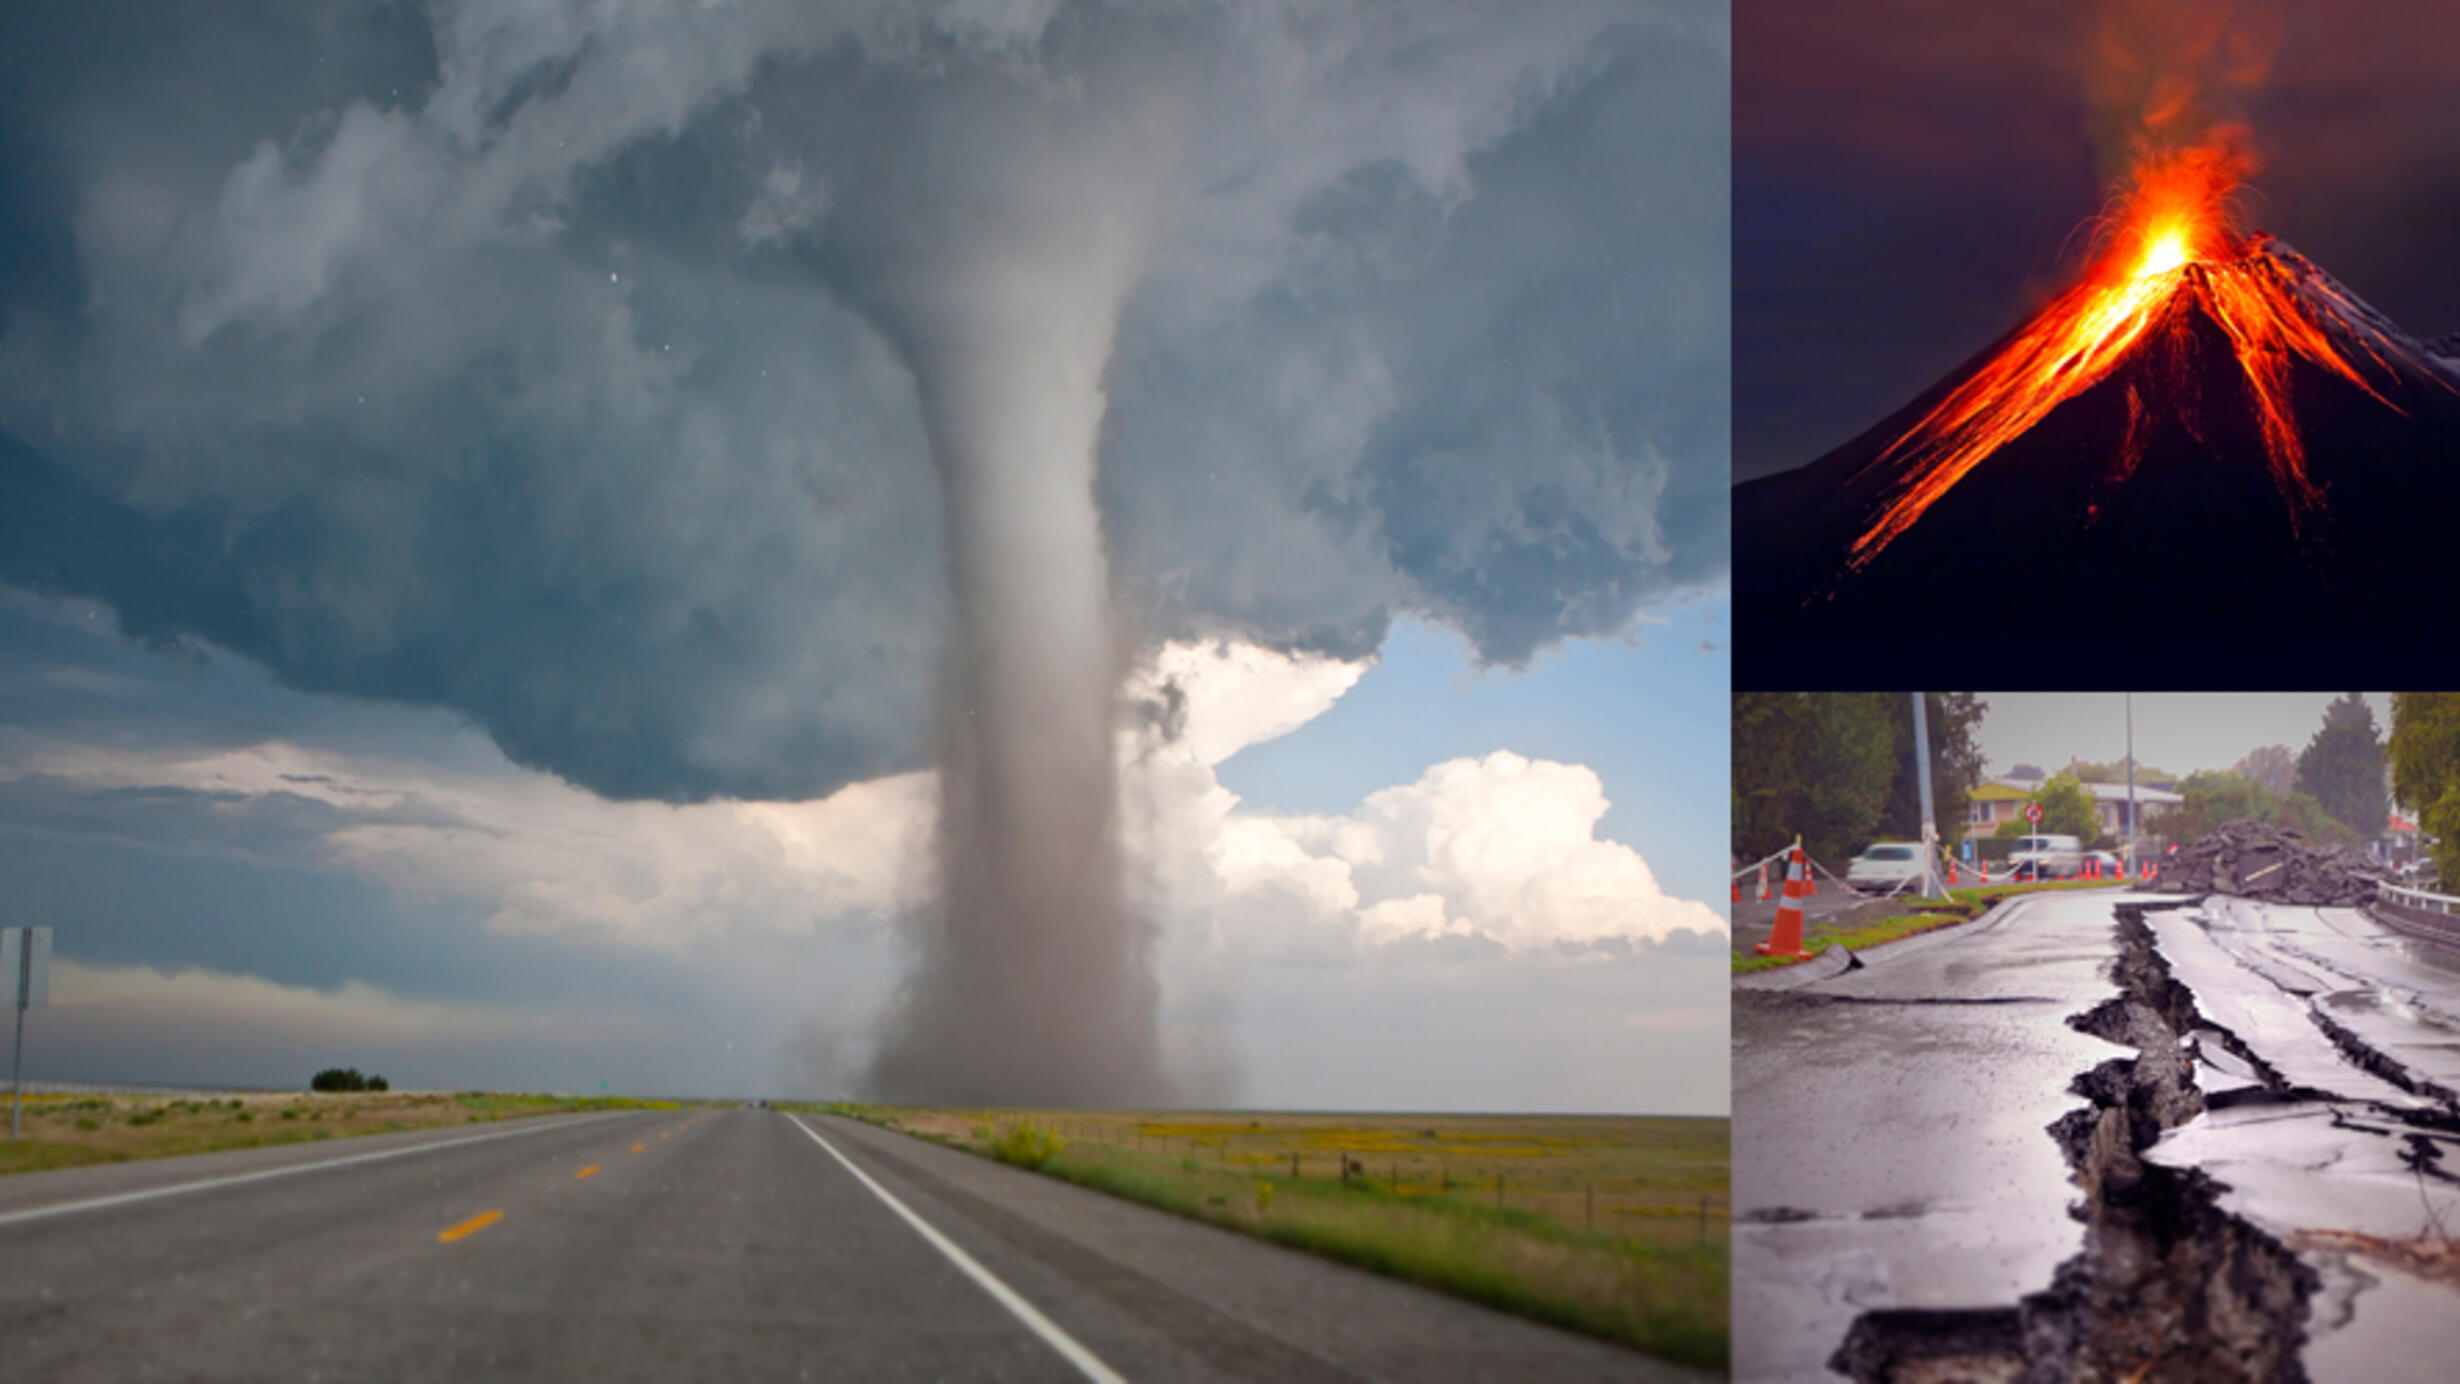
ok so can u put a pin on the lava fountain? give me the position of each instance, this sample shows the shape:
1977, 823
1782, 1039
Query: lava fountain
2170, 246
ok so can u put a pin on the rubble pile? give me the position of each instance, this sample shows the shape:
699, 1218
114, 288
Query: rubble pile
2253, 860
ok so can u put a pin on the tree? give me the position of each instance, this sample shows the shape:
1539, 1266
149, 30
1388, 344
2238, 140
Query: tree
346, 1079
2030, 773
1956, 763
2211, 799
1810, 765
1768, 732
2425, 755
2342, 766
2272, 766
1852, 749
2067, 809
2146, 776
1836, 768
2300, 810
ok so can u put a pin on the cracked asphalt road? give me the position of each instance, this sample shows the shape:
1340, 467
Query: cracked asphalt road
1893, 1147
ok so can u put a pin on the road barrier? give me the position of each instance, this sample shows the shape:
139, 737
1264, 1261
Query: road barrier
1785, 939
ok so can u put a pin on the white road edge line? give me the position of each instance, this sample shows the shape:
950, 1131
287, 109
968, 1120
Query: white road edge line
36, 1213
1085, 1360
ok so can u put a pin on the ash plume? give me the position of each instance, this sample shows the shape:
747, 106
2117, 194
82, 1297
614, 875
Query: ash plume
2166, 75
998, 261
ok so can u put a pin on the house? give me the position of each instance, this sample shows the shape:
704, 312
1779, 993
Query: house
2002, 800
2399, 843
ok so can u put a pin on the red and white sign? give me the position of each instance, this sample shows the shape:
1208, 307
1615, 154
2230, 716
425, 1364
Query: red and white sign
2032, 813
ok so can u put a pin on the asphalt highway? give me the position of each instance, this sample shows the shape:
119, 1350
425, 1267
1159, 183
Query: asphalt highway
714, 1244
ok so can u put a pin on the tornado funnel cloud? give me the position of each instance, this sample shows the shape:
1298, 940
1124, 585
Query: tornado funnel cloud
1003, 289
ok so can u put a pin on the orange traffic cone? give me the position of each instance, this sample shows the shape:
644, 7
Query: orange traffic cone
1786, 938
1763, 881
1951, 872
1810, 881
2150, 869
1738, 889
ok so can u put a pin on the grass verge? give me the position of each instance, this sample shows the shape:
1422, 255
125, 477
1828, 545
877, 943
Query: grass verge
1611, 1227
1917, 916
70, 1131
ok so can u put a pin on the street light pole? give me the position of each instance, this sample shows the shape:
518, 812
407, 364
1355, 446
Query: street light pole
2132, 824
1921, 783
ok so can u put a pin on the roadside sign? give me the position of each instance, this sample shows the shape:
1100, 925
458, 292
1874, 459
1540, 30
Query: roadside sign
2032, 813
25, 966
25, 979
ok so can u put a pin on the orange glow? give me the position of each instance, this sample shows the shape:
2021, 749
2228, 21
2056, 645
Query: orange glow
2170, 245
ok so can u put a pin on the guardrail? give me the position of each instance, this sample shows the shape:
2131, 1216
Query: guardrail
2422, 900
2418, 912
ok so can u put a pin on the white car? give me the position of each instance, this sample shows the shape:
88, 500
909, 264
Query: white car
1885, 867
2047, 857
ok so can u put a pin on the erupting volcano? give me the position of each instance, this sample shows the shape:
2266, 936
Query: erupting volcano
2205, 436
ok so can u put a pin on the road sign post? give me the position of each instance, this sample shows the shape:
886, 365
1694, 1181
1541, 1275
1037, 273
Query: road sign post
25, 973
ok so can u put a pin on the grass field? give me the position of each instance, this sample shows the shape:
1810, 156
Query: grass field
1916, 916
67, 1131
1613, 1226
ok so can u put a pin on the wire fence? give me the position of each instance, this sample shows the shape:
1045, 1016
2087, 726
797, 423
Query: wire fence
119, 1088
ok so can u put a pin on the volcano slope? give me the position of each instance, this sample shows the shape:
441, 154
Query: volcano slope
2158, 497
2104, 1136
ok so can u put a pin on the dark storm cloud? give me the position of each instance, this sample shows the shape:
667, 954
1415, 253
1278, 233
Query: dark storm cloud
1910, 179
477, 359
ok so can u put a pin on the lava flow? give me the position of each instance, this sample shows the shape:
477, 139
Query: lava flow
2172, 246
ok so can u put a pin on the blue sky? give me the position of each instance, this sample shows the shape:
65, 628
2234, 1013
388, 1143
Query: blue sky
1649, 713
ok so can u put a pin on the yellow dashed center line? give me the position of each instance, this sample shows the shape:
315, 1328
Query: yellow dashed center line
471, 1226
636, 1148
666, 1134
589, 1171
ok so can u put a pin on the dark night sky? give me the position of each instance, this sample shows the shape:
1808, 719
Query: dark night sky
1910, 177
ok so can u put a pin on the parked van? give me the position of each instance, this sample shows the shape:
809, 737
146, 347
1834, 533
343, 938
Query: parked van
2050, 857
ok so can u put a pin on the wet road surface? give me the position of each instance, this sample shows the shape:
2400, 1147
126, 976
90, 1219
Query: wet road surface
1932, 1151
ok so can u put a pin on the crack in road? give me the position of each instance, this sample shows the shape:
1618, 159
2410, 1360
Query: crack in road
2167, 1281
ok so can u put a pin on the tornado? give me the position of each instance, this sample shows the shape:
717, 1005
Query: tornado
998, 262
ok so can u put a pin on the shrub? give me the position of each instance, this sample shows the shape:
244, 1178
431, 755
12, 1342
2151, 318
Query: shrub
1027, 1145
377, 1083
338, 1079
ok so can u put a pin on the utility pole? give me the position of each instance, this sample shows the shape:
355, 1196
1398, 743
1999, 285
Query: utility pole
1921, 784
